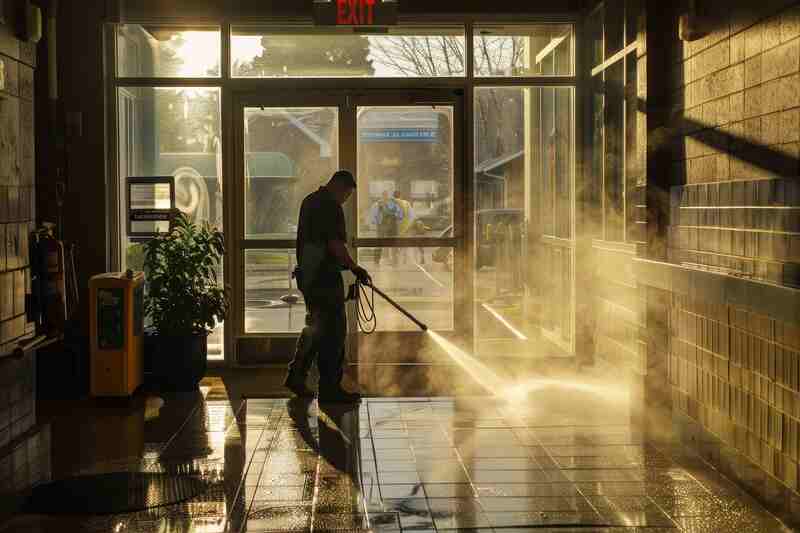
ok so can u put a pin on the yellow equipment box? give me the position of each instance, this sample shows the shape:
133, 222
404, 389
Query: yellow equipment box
116, 310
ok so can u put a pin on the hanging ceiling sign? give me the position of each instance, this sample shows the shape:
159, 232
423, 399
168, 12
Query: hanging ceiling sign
355, 13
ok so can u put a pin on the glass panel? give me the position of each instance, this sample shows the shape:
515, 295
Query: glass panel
300, 52
420, 279
595, 36
595, 226
524, 149
633, 9
614, 23
289, 153
547, 161
557, 283
272, 302
150, 51
559, 147
632, 160
405, 171
172, 132
633, 157
614, 154
537, 50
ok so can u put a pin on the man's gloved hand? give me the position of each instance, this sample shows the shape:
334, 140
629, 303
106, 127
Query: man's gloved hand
361, 275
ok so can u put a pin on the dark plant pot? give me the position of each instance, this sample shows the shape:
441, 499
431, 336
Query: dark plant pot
149, 352
180, 361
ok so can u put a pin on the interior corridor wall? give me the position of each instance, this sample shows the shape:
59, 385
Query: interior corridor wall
24, 443
722, 306
17, 183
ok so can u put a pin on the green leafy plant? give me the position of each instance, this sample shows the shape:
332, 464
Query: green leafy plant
183, 294
135, 256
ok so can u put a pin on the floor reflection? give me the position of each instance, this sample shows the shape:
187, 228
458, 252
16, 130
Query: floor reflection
409, 464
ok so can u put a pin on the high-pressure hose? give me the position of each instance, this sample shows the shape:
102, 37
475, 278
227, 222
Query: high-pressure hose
365, 307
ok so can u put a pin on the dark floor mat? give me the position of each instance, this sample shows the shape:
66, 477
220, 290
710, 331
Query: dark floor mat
116, 492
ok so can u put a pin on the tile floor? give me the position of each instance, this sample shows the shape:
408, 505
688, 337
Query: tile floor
411, 464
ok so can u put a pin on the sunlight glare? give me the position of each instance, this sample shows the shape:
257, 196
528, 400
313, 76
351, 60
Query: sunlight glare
199, 52
245, 48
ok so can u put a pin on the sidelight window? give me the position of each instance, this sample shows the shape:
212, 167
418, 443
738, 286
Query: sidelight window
616, 185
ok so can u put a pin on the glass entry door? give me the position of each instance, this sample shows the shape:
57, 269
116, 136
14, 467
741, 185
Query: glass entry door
407, 210
404, 221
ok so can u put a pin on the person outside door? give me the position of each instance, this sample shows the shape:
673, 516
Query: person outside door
404, 223
419, 229
386, 216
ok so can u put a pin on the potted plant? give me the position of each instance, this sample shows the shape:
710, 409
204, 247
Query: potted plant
184, 299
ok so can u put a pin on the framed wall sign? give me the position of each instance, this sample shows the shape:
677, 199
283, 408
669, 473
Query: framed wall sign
151, 206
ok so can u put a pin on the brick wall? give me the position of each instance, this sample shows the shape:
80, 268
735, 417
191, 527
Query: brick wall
736, 198
24, 446
732, 312
618, 306
17, 195
748, 228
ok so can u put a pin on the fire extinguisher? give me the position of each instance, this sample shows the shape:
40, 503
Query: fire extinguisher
53, 280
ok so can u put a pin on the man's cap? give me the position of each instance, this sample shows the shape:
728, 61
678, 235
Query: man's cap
345, 177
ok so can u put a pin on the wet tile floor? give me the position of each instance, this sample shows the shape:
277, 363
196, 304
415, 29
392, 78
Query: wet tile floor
413, 464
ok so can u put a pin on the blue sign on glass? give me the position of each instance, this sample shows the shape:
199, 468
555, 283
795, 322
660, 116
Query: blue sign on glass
400, 135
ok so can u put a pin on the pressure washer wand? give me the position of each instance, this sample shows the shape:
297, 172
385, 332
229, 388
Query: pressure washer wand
394, 304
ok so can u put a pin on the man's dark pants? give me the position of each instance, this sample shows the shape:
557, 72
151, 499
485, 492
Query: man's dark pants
324, 337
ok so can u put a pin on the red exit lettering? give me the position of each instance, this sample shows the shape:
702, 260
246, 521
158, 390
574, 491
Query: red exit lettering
355, 12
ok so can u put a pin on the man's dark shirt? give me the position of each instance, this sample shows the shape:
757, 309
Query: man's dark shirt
321, 220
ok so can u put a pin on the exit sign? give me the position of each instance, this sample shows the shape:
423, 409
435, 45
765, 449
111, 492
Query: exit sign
355, 13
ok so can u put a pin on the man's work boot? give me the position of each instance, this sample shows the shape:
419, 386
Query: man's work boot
298, 386
338, 395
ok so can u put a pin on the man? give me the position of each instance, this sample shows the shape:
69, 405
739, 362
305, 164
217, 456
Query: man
321, 256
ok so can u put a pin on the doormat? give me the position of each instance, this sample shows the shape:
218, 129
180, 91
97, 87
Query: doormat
111, 493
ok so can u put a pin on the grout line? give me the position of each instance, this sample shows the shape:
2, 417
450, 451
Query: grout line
374, 453
317, 479
573, 483
241, 486
174, 435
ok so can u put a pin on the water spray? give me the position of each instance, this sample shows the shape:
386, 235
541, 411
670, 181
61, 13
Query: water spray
367, 320
483, 375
